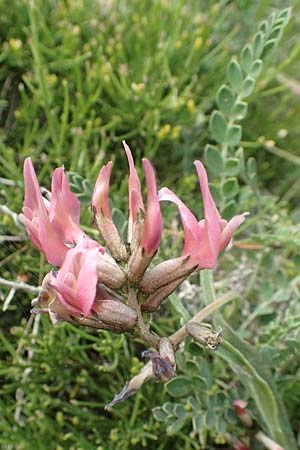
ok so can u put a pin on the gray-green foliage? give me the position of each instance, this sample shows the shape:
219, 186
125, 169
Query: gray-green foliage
225, 159
200, 404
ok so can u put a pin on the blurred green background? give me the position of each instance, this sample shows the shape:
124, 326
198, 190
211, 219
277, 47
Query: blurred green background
78, 77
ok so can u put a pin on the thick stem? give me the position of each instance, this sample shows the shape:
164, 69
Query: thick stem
145, 332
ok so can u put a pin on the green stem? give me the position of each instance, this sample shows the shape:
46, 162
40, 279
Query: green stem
135, 411
207, 283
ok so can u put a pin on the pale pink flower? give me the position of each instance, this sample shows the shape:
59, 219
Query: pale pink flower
76, 281
152, 223
36, 219
144, 224
53, 227
203, 240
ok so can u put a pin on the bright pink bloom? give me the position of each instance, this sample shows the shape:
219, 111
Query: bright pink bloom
76, 280
203, 240
52, 227
152, 229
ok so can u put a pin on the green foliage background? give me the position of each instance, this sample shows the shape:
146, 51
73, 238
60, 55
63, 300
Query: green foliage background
75, 79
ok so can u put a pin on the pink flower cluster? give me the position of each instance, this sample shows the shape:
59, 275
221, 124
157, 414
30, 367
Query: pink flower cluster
90, 279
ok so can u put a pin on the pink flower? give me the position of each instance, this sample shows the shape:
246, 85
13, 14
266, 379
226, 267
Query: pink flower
152, 225
76, 281
144, 224
240, 407
52, 227
203, 240
36, 219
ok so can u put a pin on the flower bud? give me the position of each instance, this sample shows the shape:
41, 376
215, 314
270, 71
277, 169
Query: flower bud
242, 413
116, 315
164, 274
101, 209
155, 300
111, 237
138, 264
109, 273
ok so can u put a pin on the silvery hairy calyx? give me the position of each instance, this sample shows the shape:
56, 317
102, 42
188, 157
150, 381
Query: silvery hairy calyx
113, 287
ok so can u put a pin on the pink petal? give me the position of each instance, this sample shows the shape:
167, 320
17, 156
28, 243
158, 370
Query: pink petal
66, 295
32, 230
33, 197
87, 243
192, 231
87, 281
76, 281
207, 254
152, 231
52, 246
100, 200
230, 228
134, 186
60, 189
64, 209
70, 280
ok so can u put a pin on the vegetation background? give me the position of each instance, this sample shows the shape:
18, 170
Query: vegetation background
75, 79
